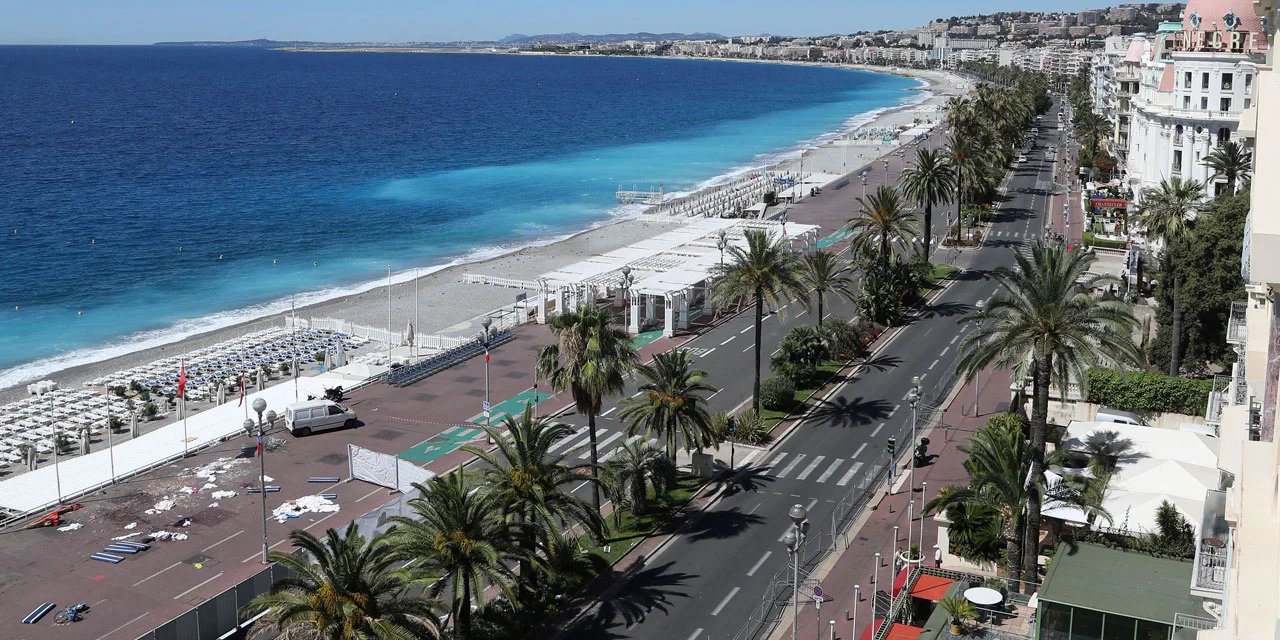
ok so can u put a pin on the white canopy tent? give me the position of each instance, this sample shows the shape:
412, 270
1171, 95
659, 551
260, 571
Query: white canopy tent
35, 490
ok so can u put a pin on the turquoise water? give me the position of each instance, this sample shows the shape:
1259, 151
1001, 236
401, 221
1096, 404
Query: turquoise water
155, 192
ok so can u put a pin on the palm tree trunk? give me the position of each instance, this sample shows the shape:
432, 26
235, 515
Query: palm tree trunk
959, 206
526, 543
1012, 552
928, 228
1175, 338
819, 307
462, 626
755, 388
595, 461
639, 495
1043, 366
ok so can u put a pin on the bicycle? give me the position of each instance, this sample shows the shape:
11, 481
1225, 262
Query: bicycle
74, 613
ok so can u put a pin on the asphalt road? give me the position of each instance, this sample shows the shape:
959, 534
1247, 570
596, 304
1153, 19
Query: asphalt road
711, 578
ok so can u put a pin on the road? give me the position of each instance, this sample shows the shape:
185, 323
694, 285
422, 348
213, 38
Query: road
712, 576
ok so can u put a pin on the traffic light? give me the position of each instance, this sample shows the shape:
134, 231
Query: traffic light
891, 446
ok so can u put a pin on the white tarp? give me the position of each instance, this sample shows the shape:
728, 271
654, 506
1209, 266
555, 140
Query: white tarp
385, 470
35, 490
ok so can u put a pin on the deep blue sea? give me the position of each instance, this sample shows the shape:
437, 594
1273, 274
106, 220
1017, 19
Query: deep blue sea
164, 191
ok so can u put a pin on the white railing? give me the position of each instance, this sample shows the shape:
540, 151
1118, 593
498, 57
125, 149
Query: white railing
512, 283
1236, 323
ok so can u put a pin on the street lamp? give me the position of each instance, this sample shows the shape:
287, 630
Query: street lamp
977, 377
627, 279
857, 597
913, 397
794, 539
722, 243
259, 406
485, 325
863, 175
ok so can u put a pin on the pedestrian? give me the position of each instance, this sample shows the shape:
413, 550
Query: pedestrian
937, 557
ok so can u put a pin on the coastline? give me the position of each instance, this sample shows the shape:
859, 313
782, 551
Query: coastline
447, 302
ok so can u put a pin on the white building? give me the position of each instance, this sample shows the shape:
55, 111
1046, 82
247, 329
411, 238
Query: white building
1196, 81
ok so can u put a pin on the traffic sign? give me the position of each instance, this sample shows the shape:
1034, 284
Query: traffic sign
817, 590
485, 405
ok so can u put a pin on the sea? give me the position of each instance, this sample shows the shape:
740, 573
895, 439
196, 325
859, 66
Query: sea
149, 193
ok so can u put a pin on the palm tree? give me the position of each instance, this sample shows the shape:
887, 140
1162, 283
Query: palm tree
800, 353
591, 359
823, 273
670, 403
965, 159
1231, 161
931, 181
881, 221
1092, 128
342, 589
528, 481
998, 465
1166, 215
765, 272
458, 535
1044, 309
637, 466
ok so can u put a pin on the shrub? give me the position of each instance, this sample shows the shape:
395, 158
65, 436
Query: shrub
750, 429
149, 410
1148, 391
319, 355
800, 354
283, 368
777, 393
845, 338
114, 423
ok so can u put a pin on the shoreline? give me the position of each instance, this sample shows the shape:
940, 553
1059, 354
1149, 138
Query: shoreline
446, 302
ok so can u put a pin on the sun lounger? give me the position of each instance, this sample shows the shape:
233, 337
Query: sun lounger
106, 557
38, 612
120, 548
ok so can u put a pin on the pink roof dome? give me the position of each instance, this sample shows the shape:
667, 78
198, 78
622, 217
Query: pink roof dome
1224, 15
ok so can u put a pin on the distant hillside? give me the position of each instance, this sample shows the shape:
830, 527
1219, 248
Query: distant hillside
643, 36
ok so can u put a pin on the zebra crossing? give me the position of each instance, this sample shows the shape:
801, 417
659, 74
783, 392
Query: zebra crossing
578, 443
821, 469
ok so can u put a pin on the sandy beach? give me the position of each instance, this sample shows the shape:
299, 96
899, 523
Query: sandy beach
446, 302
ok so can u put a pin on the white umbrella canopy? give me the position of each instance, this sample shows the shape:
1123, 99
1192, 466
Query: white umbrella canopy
328, 361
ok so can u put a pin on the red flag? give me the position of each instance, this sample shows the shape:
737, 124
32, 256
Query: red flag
241, 391
486, 358
182, 379
259, 442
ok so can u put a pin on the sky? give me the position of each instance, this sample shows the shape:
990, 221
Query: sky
147, 21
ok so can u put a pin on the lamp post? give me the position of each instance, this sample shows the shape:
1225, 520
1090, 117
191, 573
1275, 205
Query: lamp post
260, 405
627, 280
485, 325
885, 162
794, 539
977, 377
913, 397
924, 486
863, 175
857, 597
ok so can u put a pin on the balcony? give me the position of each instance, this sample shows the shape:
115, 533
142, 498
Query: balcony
1236, 333
1213, 552
1219, 397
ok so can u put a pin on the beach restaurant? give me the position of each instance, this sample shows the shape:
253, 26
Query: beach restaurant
665, 278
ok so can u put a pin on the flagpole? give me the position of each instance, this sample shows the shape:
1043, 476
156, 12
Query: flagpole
294, 312
416, 324
111, 453
388, 317
57, 475
182, 391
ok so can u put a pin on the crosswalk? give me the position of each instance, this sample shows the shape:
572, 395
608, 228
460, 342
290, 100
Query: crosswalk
821, 469
608, 442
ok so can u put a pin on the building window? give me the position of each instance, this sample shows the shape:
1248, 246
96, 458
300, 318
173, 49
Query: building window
1177, 136
1186, 77
1177, 161
1186, 102
1204, 103
1118, 627
1226, 81
1226, 104
1224, 135
1204, 81
1248, 102
1248, 81
1055, 621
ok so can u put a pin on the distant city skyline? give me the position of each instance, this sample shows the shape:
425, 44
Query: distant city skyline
147, 21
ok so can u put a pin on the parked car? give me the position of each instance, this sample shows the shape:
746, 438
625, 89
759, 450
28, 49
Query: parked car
305, 418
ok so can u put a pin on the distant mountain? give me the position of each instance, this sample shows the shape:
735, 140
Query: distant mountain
643, 36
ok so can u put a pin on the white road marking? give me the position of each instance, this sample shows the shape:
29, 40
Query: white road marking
876, 432
802, 313
587, 453
156, 573
748, 328
774, 463
830, 470
139, 617
613, 452
849, 474
933, 364
859, 451
732, 593
896, 407
794, 462
809, 469
728, 341
611, 410
567, 439
199, 585
696, 634
756, 567
219, 542
945, 350
749, 347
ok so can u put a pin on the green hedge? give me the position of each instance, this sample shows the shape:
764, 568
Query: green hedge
777, 393
1146, 391
1092, 241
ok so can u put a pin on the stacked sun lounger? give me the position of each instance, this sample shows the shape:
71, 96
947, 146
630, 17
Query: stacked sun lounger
432, 365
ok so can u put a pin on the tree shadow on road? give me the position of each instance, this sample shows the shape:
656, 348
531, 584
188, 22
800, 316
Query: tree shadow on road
749, 479
841, 412
648, 590
881, 363
944, 310
720, 524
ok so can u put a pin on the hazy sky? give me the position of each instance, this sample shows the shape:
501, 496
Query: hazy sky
146, 21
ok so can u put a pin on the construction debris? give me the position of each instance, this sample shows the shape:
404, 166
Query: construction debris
305, 504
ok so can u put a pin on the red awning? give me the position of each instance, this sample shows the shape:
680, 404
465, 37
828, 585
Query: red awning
900, 580
929, 587
896, 632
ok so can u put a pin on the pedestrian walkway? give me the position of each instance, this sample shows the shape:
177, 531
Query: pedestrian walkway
440, 444
819, 469
856, 564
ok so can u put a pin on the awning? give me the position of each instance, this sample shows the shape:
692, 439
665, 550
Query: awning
900, 580
896, 632
930, 587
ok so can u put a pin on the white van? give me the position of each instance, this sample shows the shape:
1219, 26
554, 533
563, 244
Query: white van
303, 418
1106, 414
